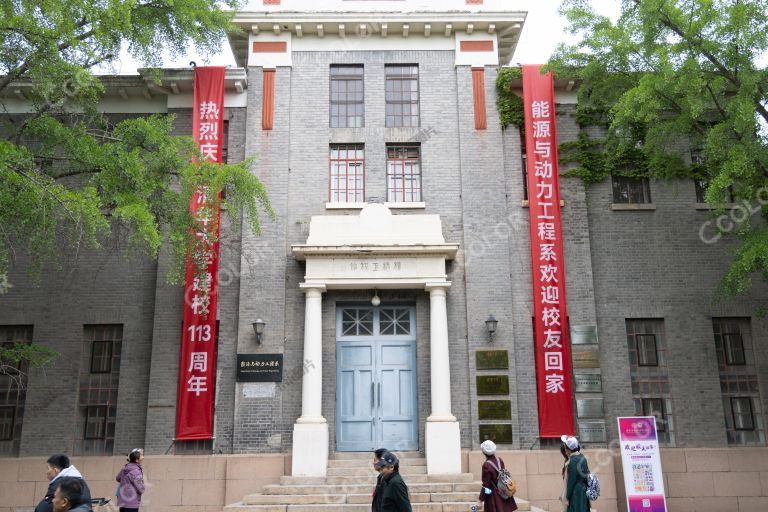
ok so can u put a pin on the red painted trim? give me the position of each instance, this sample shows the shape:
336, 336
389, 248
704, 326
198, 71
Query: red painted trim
270, 47
469, 2
277, 2
478, 95
485, 45
268, 100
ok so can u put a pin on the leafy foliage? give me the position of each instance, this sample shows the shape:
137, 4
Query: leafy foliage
70, 177
668, 78
509, 104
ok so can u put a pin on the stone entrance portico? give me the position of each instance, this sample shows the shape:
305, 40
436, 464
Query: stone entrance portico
376, 250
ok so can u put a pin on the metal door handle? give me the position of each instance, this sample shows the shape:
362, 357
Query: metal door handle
379, 394
373, 403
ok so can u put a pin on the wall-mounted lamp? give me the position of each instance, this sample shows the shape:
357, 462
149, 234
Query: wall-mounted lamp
490, 325
375, 301
258, 328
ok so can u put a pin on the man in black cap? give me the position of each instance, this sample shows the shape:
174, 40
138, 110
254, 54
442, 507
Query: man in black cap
395, 496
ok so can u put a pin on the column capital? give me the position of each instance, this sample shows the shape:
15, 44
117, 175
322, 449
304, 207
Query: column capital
310, 288
439, 285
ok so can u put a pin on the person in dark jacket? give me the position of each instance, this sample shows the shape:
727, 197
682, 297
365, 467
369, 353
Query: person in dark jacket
490, 500
576, 475
395, 495
131, 482
378, 491
68, 496
60, 467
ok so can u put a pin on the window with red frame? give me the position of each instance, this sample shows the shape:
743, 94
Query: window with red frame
347, 173
403, 173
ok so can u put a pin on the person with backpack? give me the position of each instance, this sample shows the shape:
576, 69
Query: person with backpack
576, 477
498, 486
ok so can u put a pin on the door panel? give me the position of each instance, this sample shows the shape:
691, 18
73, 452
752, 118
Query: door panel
376, 385
397, 407
354, 396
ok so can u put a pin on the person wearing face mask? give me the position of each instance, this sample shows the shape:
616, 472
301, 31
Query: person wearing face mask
131, 482
58, 466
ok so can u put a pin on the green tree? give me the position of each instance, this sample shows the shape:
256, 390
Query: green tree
69, 177
674, 74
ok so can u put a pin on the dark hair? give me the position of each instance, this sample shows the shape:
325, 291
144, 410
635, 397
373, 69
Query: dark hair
134, 455
71, 489
389, 459
58, 460
565, 456
379, 452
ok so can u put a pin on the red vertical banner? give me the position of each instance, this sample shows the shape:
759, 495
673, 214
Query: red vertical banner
553, 361
197, 367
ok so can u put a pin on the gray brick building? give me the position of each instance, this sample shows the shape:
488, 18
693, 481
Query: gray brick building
373, 144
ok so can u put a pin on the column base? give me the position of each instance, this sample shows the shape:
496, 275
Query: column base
443, 447
310, 449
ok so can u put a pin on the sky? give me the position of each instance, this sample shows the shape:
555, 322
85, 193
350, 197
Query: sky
544, 28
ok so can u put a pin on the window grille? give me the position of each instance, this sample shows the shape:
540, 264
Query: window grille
403, 173
347, 106
347, 173
13, 391
401, 95
99, 382
650, 376
739, 387
628, 190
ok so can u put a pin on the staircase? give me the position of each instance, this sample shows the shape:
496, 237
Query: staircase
350, 483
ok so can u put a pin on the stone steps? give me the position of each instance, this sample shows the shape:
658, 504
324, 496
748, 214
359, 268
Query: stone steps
370, 479
523, 506
358, 456
368, 470
368, 463
350, 482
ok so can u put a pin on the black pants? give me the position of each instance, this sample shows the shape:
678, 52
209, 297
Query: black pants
124, 509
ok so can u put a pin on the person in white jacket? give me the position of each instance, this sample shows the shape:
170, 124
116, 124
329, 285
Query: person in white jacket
60, 467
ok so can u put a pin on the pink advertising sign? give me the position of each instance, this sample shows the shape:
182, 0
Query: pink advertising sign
641, 460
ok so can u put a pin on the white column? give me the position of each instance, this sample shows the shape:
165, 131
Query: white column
440, 365
312, 382
310, 432
442, 436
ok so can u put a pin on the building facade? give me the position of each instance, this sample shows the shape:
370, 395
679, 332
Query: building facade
402, 225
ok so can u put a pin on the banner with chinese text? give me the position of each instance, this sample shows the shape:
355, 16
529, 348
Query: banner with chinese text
553, 362
641, 460
197, 368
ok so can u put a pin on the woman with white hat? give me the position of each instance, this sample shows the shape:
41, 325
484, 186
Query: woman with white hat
576, 474
491, 500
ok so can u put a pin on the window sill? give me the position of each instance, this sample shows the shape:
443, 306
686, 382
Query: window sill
722, 206
632, 206
413, 205
345, 206
525, 203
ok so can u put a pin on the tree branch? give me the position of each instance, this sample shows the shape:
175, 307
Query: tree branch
695, 43
24, 66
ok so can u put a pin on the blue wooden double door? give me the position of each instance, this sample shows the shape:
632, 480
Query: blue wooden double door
376, 397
